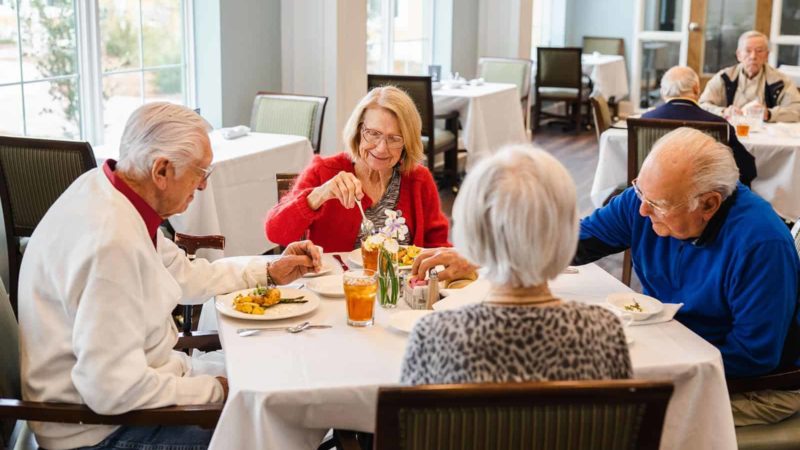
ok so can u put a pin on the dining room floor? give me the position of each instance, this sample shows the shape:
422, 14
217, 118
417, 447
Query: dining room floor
578, 153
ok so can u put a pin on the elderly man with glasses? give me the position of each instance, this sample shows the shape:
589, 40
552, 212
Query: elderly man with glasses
99, 280
699, 237
752, 84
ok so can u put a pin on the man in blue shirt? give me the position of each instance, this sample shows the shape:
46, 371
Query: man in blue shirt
700, 237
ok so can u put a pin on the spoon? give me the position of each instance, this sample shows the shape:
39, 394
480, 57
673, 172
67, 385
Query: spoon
366, 225
293, 329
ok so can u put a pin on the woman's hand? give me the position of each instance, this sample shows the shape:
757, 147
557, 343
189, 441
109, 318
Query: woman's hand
298, 259
456, 267
344, 187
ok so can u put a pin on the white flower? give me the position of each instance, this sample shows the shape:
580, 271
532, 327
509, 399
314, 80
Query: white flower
374, 241
391, 245
394, 226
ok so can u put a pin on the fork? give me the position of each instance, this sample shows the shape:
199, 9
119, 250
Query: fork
366, 225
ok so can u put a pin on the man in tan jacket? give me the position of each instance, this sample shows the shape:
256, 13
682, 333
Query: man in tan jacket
752, 82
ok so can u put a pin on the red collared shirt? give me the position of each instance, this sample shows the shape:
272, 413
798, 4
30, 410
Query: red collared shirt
151, 218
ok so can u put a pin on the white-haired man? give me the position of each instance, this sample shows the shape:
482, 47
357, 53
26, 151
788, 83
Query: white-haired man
680, 89
700, 238
99, 280
752, 82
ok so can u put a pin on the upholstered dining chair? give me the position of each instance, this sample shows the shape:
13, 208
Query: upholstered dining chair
300, 115
604, 45
434, 140
33, 174
610, 414
510, 70
559, 78
601, 115
14, 412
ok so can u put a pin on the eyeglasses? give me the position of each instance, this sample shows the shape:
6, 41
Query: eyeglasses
206, 172
658, 209
374, 137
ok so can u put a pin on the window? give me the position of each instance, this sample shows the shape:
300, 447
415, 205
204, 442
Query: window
399, 36
81, 79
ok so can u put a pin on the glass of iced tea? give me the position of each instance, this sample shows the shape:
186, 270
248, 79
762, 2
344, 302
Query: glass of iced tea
742, 125
360, 288
369, 254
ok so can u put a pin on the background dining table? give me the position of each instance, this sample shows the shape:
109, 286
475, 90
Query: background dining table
776, 149
287, 390
240, 191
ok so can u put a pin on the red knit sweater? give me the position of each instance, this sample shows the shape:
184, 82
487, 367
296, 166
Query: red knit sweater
335, 228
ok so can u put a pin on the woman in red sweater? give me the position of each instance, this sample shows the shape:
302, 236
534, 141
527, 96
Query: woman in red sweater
381, 169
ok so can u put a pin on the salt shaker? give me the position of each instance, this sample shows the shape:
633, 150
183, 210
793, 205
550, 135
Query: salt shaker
433, 288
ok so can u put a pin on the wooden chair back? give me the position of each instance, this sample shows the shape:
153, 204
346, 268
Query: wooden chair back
601, 114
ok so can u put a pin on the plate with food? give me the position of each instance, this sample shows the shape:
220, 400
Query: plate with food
327, 286
639, 306
264, 303
406, 256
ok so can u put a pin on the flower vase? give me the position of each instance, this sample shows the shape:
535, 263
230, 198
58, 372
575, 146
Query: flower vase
388, 278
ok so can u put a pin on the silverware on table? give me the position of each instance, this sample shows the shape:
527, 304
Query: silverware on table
366, 225
341, 262
245, 332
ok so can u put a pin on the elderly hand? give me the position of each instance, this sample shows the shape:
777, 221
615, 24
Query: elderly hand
456, 267
344, 187
730, 111
298, 259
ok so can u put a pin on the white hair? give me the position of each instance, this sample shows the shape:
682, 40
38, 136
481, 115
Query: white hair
750, 34
713, 168
516, 216
679, 81
161, 130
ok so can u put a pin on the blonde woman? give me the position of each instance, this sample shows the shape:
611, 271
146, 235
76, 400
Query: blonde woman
381, 168
515, 216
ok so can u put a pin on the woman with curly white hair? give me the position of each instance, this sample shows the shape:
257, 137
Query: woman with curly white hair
516, 218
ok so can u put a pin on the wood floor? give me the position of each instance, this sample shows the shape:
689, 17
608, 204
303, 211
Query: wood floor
578, 153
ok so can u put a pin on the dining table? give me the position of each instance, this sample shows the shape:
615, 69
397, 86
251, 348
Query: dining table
288, 389
240, 191
490, 115
775, 146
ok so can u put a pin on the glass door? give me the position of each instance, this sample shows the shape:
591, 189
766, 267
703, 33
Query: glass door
785, 36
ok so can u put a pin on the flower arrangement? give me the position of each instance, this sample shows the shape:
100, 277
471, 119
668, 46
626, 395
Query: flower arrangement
387, 243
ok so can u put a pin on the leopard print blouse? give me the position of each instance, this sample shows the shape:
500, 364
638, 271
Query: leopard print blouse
493, 343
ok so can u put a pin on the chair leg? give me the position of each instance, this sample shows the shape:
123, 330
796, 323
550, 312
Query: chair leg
578, 118
537, 112
627, 265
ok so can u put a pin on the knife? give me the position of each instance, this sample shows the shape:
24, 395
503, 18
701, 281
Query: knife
341, 262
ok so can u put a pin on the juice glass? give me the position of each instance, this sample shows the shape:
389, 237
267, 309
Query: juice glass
360, 288
369, 254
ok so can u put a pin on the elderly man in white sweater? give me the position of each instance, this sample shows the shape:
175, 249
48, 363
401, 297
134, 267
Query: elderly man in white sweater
99, 280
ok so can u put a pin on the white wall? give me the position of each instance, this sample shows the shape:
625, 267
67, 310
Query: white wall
464, 58
504, 28
324, 52
238, 53
608, 18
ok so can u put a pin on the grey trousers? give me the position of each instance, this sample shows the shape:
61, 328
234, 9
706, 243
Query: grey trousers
764, 407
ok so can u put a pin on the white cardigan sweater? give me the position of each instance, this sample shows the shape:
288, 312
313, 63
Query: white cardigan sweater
95, 298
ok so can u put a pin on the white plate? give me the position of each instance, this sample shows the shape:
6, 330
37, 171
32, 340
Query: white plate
355, 258
327, 286
649, 305
405, 320
327, 267
224, 304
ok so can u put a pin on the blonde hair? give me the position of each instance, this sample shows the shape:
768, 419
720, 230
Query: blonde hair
713, 168
161, 130
402, 107
516, 216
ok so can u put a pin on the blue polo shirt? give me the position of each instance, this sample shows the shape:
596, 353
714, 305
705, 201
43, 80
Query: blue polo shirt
739, 281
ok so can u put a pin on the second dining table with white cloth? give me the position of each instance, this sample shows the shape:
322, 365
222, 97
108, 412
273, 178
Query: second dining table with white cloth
287, 390
240, 191
490, 116
776, 149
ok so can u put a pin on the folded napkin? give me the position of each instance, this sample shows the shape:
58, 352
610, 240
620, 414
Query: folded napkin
234, 132
665, 315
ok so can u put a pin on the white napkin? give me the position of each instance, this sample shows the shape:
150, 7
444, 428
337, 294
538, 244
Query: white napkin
234, 132
665, 315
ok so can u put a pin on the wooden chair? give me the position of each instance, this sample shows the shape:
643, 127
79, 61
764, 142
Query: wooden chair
33, 174
559, 78
642, 134
510, 70
190, 244
434, 140
601, 115
300, 115
14, 411
541, 415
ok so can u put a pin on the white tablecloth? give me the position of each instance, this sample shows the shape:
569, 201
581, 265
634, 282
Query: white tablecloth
288, 389
607, 72
490, 116
776, 149
240, 191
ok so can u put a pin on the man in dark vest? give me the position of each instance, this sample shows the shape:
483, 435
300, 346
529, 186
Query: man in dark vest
680, 88
752, 82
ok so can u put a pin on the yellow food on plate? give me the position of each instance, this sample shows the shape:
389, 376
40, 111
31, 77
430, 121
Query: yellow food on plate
407, 255
257, 301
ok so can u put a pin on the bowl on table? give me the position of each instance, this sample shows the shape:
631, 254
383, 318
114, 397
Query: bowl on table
639, 306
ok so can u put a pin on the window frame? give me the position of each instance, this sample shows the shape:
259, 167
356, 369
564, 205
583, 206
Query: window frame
388, 8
